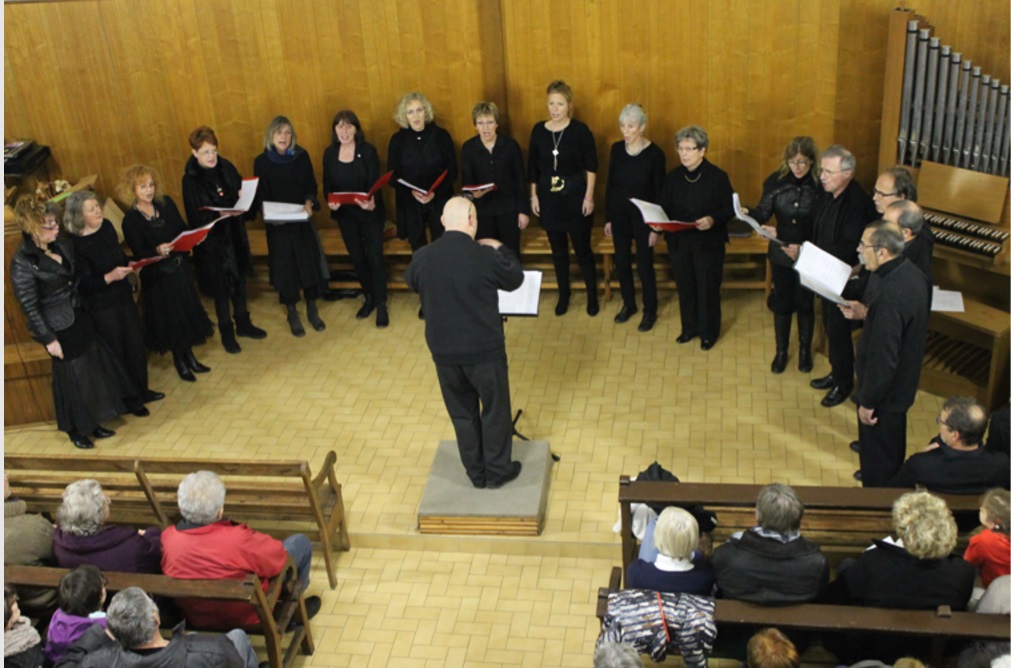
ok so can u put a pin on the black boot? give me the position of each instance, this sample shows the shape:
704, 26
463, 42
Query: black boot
382, 316
245, 327
294, 322
782, 323
313, 315
194, 364
563, 302
805, 330
366, 309
228, 338
183, 367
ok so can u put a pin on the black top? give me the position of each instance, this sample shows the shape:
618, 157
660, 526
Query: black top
503, 166
458, 280
639, 176
645, 575
687, 196
577, 154
202, 187
839, 222
920, 250
949, 471
143, 236
45, 288
792, 200
359, 175
997, 439
419, 158
97, 254
765, 570
290, 180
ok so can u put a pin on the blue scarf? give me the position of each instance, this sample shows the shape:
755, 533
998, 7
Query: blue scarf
282, 159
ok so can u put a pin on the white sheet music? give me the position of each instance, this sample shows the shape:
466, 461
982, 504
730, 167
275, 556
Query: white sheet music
246, 195
822, 272
281, 211
525, 299
949, 301
752, 222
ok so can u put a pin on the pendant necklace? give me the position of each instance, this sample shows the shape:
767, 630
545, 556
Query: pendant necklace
697, 177
556, 142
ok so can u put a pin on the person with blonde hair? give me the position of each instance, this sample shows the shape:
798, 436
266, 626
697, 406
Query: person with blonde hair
770, 648
677, 568
174, 319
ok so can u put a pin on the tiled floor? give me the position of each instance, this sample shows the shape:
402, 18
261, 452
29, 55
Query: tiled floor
609, 399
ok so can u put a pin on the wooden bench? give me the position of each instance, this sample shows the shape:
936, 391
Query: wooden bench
939, 626
276, 497
842, 520
275, 607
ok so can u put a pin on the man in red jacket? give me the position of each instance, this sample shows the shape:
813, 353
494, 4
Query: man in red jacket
207, 546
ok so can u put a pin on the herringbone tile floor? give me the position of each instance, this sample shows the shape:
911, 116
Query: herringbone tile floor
609, 399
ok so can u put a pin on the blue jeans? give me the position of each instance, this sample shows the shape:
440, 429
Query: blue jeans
299, 548
243, 647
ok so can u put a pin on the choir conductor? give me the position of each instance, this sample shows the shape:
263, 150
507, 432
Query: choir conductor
458, 279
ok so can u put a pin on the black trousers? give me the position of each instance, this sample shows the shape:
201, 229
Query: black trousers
882, 448
121, 329
364, 242
559, 241
788, 295
624, 232
698, 271
840, 344
477, 398
430, 217
221, 307
504, 227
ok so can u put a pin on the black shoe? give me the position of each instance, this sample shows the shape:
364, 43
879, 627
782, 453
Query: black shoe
562, 307
835, 396
82, 442
779, 362
382, 316
421, 313
592, 306
855, 446
102, 432
625, 313
228, 341
858, 475
804, 361
312, 314
312, 606
823, 383
294, 322
142, 411
648, 320
479, 484
194, 364
151, 395
332, 295
514, 473
183, 367
366, 309
245, 327
707, 345
685, 337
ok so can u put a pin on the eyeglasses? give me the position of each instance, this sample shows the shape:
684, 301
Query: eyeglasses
50, 226
941, 422
833, 172
862, 245
208, 152
687, 149
799, 163
878, 193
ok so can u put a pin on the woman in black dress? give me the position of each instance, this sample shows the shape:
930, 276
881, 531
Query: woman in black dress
790, 193
88, 382
351, 164
174, 318
294, 252
637, 169
698, 192
107, 295
491, 158
562, 172
223, 259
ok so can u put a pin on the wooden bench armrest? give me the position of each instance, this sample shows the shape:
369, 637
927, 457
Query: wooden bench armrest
613, 585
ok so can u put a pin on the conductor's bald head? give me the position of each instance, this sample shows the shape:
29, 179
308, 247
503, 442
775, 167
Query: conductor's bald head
460, 215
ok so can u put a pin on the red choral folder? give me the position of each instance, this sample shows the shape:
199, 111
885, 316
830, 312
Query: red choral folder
186, 241
355, 197
438, 182
654, 216
140, 264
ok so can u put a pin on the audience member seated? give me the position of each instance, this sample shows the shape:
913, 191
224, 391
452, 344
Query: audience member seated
990, 549
770, 648
81, 596
998, 439
913, 571
133, 621
996, 601
83, 538
959, 464
674, 570
28, 541
771, 563
616, 655
22, 643
205, 545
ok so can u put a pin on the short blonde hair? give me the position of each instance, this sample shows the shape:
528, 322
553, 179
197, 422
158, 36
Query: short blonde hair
676, 533
30, 214
925, 525
484, 109
400, 116
770, 648
131, 178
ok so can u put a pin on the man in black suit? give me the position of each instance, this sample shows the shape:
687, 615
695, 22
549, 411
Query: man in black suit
843, 210
458, 279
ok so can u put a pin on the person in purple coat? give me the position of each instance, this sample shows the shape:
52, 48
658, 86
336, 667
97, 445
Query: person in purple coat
83, 538
81, 596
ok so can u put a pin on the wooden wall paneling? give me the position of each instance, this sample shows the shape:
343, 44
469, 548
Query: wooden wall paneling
491, 47
980, 30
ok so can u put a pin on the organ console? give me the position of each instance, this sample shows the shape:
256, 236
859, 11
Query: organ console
948, 123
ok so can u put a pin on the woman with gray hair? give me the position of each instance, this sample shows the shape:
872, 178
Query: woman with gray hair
637, 169
107, 295
294, 252
678, 568
697, 192
83, 537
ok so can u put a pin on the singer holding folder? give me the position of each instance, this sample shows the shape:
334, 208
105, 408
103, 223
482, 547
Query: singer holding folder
223, 259
351, 164
698, 191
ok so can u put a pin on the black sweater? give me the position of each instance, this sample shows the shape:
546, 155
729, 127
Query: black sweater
687, 196
639, 176
359, 175
503, 166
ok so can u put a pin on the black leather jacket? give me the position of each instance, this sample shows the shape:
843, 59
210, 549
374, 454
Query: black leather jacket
46, 289
793, 204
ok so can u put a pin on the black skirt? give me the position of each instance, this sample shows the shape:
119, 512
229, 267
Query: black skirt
174, 318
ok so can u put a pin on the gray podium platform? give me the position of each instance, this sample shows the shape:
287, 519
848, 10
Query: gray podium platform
450, 504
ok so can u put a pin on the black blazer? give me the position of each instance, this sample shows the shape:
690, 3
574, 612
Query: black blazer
46, 289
